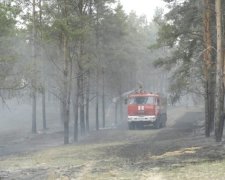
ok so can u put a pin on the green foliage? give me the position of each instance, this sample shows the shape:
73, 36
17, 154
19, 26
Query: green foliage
180, 31
125, 39
168, 32
100, 35
8, 15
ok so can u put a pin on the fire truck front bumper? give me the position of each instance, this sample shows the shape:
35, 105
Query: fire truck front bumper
149, 119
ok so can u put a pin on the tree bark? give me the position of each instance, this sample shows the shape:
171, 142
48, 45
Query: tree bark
66, 97
34, 107
97, 103
66, 81
207, 57
219, 75
87, 101
103, 97
121, 104
44, 109
97, 68
116, 113
34, 96
43, 67
82, 120
76, 110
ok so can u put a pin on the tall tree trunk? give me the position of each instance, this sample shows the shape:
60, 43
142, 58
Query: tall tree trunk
88, 75
103, 97
43, 72
34, 96
121, 103
44, 109
66, 98
116, 113
212, 96
81, 5
87, 101
76, 110
34, 107
97, 100
209, 105
82, 120
219, 75
66, 80
98, 64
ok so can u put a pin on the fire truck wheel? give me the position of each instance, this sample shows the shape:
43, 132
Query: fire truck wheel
164, 123
139, 126
131, 126
157, 124
164, 120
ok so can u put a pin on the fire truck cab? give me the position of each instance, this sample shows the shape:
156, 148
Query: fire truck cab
146, 108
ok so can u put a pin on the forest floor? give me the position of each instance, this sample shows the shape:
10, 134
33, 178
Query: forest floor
179, 151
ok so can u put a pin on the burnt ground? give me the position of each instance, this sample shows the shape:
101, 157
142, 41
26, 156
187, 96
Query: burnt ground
19, 142
181, 142
183, 139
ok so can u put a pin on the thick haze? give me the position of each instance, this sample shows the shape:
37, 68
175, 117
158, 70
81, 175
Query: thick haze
74, 78
143, 7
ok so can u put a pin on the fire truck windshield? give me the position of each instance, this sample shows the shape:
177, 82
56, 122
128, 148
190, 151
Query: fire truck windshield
141, 100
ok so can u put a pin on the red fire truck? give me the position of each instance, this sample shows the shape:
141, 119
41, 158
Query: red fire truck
146, 108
